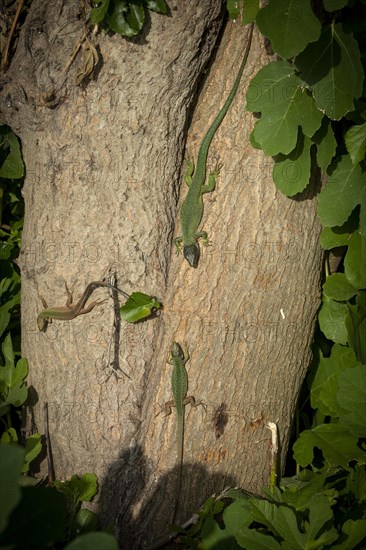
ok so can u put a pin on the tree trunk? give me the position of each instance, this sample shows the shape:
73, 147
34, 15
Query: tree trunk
104, 171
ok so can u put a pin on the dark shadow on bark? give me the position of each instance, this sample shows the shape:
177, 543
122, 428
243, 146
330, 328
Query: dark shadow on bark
124, 484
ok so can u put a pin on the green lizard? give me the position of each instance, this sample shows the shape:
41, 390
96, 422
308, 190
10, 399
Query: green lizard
178, 358
191, 211
70, 310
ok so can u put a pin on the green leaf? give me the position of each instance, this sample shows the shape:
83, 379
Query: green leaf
356, 533
356, 483
91, 541
12, 387
139, 306
290, 25
126, 19
338, 446
355, 139
233, 9
336, 76
85, 522
337, 287
326, 144
332, 5
291, 173
136, 15
300, 490
250, 11
17, 395
237, 515
320, 513
332, 321
159, 6
279, 519
33, 446
9, 436
98, 12
87, 487
79, 489
12, 167
213, 537
356, 327
325, 386
283, 522
11, 461
355, 260
7, 370
5, 312
332, 237
253, 540
285, 105
342, 193
351, 397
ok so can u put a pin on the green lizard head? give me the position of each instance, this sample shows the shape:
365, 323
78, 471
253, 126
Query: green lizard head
176, 351
191, 252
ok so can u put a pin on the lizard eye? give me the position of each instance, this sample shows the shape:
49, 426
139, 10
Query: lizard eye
191, 252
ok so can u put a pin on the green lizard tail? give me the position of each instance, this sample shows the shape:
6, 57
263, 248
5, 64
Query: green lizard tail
180, 446
203, 150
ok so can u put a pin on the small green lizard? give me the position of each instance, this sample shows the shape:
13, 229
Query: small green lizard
178, 358
70, 310
191, 211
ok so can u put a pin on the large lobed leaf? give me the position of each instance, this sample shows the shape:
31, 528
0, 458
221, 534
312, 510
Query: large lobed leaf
343, 192
290, 25
285, 104
325, 385
333, 70
337, 444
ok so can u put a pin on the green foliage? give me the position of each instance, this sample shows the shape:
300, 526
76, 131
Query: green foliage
274, 21
33, 447
285, 105
319, 80
342, 193
13, 390
40, 517
305, 512
248, 9
11, 462
139, 306
79, 490
355, 139
76, 491
11, 163
336, 79
91, 541
11, 219
124, 17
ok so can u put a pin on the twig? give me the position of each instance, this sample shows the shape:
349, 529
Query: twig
50, 466
12, 29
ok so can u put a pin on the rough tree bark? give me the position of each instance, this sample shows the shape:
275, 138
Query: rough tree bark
104, 173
